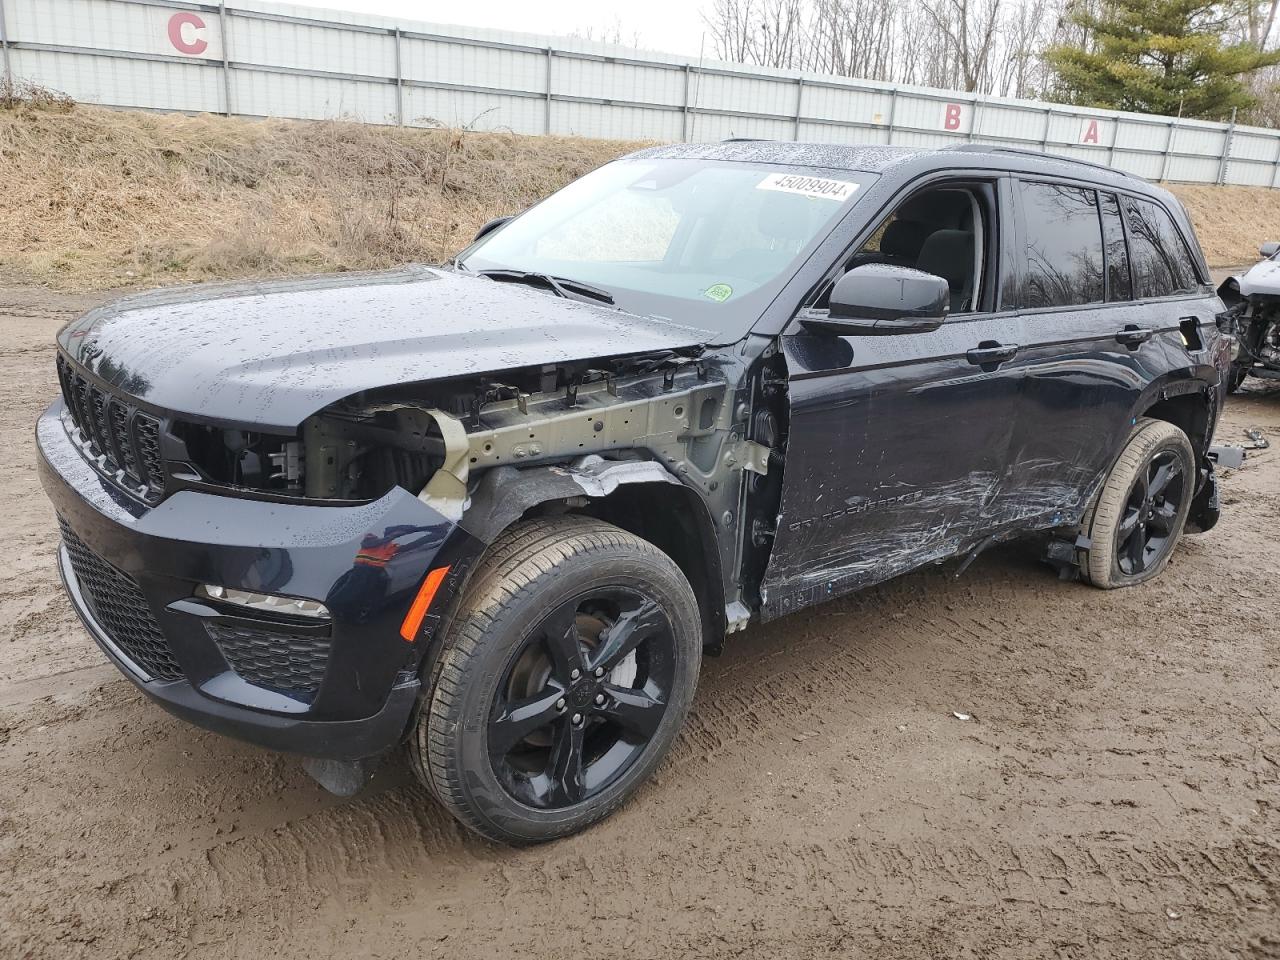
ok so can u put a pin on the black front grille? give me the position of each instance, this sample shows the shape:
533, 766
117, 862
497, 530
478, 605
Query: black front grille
277, 661
120, 609
126, 438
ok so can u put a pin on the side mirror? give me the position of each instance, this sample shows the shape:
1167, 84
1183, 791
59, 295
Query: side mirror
489, 226
877, 299
1270, 249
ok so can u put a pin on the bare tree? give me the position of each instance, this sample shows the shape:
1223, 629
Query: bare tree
985, 46
770, 33
614, 33
1025, 31
1259, 19
968, 29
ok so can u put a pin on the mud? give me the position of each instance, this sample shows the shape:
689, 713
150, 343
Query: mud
1114, 793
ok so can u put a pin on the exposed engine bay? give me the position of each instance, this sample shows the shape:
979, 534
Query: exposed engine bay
670, 405
1253, 314
587, 427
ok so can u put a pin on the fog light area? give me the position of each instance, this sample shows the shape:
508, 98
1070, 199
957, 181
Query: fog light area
264, 601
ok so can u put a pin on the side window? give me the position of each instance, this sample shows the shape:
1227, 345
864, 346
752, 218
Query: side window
1162, 265
940, 230
1118, 285
1063, 255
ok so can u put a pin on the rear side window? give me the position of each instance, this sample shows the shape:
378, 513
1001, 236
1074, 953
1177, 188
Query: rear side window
1062, 263
1162, 265
1118, 286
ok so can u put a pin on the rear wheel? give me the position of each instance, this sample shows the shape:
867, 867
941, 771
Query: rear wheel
1140, 512
565, 677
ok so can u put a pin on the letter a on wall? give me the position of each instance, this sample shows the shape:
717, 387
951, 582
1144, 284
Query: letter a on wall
1089, 132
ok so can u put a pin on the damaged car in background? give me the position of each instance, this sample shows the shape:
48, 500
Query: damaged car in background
496, 512
1253, 312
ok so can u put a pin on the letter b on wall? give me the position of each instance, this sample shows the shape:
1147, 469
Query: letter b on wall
951, 116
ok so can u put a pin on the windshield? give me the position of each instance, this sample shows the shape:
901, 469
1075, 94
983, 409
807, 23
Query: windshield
704, 243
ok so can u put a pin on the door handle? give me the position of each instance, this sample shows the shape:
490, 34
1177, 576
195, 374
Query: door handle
1132, 336
991, 354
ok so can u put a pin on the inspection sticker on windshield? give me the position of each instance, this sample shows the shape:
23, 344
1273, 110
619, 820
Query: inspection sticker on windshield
719, 292
816, 187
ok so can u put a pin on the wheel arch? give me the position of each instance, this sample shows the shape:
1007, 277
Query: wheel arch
1189, 408
639, 496
1190, 405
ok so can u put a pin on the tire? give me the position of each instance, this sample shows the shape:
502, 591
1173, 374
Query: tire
1137, 499
501, 669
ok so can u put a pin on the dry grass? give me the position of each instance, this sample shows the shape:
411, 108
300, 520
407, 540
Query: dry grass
95, 198
1232, 222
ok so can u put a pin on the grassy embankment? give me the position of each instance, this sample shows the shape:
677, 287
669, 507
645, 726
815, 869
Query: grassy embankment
95, 198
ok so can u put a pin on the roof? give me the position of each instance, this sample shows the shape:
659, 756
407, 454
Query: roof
878, 158
871, 158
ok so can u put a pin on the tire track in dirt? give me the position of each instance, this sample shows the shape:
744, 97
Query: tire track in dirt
1114, 795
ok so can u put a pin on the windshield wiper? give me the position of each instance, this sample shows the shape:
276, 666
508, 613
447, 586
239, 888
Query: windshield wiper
560, 286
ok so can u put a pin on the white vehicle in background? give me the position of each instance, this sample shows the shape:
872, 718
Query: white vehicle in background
1253, 301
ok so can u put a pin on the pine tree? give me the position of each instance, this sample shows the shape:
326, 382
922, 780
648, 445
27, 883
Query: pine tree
1157, 56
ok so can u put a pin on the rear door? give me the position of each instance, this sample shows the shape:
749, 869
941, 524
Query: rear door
1177, 298
1089, 349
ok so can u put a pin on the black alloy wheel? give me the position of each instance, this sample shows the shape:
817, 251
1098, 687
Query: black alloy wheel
1139, 513
1149, 526
562, 680
583, 698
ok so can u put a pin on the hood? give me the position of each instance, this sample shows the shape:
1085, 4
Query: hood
271, 354
1263, 279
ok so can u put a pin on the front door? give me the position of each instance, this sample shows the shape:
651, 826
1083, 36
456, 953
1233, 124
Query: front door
897, 446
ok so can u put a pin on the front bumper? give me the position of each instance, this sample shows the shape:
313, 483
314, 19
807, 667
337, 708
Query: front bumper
342, 688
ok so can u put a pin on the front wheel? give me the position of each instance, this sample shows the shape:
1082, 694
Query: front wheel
1139, 514
564, 679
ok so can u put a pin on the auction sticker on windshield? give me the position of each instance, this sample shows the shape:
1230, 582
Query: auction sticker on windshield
817, 187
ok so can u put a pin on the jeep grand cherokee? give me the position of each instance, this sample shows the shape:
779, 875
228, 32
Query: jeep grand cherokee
496, 511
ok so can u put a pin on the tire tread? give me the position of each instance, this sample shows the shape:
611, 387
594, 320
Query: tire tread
527, 552
1108, 509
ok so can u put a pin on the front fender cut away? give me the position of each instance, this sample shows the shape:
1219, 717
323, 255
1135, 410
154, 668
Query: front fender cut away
505, 452
504, 494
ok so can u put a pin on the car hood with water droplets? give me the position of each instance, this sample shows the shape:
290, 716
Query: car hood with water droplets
1262, 280
268, 355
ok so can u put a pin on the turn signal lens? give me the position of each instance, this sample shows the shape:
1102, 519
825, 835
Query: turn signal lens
421, 603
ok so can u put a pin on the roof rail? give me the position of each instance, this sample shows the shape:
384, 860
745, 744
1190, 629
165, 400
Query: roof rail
746, 140
1039, 154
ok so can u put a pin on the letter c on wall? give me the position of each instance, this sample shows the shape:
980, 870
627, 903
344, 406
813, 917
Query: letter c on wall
194, 46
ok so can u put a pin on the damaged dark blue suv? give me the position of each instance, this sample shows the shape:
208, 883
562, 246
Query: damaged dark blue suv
497, 511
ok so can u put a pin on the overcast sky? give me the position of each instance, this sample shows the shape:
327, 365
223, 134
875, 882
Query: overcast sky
673, 26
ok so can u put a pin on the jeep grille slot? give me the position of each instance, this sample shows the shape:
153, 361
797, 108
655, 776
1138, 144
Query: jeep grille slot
120, 609
127, 440
288, 664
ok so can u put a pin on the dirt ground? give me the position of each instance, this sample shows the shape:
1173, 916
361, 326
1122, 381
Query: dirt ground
1114, 794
